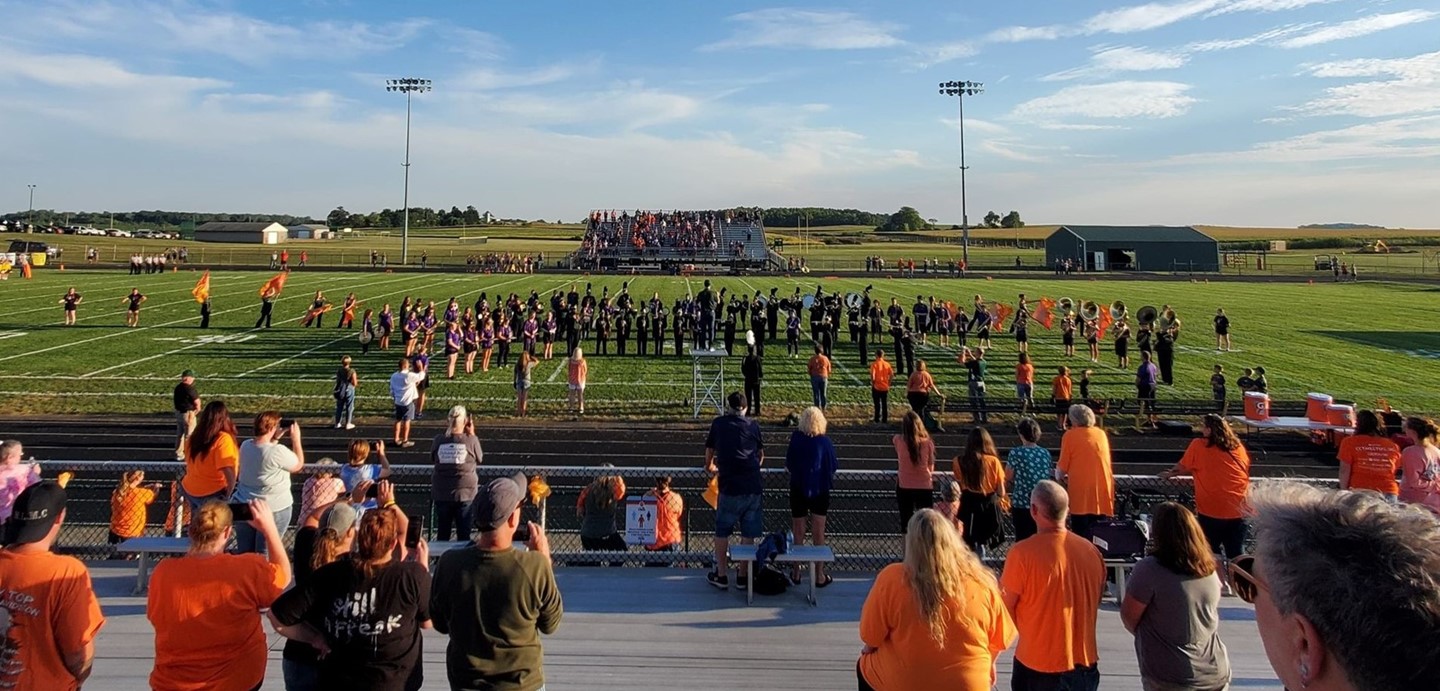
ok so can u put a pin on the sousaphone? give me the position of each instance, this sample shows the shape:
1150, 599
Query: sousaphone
1066, 306
1089, 310
1118, 311
1147, 315
807, 301
853, 300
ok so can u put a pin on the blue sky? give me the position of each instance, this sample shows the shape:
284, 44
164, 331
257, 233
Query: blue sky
1238, 112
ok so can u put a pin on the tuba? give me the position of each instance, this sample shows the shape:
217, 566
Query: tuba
1118, 311
1147, 315
1168, 321
1089, 310
1066, 306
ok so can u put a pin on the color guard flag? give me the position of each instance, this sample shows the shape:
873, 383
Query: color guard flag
1002, 312
1043, 314
201, 291
274, 285
1105, 321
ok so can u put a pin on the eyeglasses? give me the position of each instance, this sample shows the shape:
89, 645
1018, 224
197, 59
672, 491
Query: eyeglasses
1243, 579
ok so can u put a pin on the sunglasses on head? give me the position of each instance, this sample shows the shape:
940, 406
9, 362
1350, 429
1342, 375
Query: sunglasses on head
1243, 579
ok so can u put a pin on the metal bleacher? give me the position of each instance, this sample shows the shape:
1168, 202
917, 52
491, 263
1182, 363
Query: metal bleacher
741, 247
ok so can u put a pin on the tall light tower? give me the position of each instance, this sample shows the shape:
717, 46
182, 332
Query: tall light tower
30, 217
960, 90
408, 86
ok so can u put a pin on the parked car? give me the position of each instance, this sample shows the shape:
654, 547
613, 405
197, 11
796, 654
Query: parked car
32, 247
117, 233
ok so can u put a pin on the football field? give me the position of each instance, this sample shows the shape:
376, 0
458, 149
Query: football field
1358, 342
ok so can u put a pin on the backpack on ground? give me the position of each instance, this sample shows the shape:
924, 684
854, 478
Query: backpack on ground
770, 581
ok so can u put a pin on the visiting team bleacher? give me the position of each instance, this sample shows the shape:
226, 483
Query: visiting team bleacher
673, 241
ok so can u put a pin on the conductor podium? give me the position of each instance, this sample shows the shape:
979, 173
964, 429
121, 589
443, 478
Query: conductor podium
709, 385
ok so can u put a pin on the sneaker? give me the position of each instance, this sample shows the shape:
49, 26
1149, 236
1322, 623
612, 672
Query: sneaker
717, 580
335, 426
349, 425
419, 416
406, 444
741, 581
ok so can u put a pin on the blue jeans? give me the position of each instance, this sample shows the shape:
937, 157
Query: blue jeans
250, 540
741, 511
345, 405
818, 386
300, 676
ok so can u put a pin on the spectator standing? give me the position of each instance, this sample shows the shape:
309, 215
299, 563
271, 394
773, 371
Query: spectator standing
1221, 468
1084, 467
455, 453
915, 452
1025, 383
212, 457
404, 390
1343, 585
811, 461
578, 371
326, 534
358, 471
346, 381
753, 370
494, 602
523, 367
918, 390
265, 469
14, 475
1061, 389
205, 606
880, 373
49, 615
669, 507
975, 370
1146, 388
370, 608
936, 620
819, 367
1368, 459
1025, 466
734, 452
982, 492
187, 406
128, 505
1172, 606
1052, 583
1420, 464
322, 487
595, 507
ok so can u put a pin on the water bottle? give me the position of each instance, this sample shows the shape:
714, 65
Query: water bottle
789, 540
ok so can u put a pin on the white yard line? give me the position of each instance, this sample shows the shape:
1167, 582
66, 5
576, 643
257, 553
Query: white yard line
95, 312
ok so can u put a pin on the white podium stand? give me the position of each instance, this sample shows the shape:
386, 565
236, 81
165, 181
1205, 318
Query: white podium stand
709, 386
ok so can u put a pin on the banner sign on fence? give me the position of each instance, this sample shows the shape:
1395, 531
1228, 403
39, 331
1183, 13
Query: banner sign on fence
640, 520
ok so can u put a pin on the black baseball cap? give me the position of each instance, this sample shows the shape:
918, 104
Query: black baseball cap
36, 511
496, 500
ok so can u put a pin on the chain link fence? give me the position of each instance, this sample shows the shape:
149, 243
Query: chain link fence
863, 525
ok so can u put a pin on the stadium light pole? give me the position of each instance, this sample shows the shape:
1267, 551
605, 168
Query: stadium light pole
407, 86
30, 217
960, 90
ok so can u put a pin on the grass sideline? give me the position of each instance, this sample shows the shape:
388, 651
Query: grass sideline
1356, 341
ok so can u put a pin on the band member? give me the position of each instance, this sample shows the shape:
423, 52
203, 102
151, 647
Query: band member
982, 323
792, 334
897, 334
1021, 328
623, 323
1222, 331
487, 342
316, 314
875, 317
730, 335
852, 318
530, 332
548, 330
677, 327
944, 323
421, 363
1165, 353
71, 300
367, 330
205, 313
503, 337
753, 370
384, 326
132, 313
657, 327
267, 305
410, 332
1122, 343
772, 313
428, 323
452, 311
922, 316
863, 339
907, 348
347, 312
1092, 337
642, 332
602, 333
454, 341
1144, 338
705, 328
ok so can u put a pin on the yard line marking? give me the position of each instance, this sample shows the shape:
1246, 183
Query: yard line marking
108, 313
556, 373
297, 355
185, 348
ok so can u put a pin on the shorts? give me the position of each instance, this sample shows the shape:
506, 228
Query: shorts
468, 348
577, 387
1225, 535
1024, 391
1022, 337
424, 383
802, 506
1146, 394
1068, 339
405, 413
1062, 406
742, 511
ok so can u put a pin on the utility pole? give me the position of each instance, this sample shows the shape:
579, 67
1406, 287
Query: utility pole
30, 217
960, 90
408, 86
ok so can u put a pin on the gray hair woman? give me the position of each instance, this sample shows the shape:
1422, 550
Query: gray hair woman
811, 460
1344, 588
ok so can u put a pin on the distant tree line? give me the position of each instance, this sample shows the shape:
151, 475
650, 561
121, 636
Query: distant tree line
146, 219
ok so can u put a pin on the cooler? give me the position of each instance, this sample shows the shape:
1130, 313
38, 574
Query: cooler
1257, 405
37, 259
1340, 415
1315, 404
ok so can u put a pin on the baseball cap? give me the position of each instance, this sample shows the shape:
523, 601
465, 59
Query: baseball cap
496, 500
187, 373
340, 517
35, 513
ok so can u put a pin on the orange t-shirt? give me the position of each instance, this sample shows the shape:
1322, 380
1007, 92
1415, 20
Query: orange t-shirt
206, 614
1059, 578
668, 510
48, 606
920, 382
992, 479
1060, 387
127, 512
1085, 458
1222, 479
1025, 373
820, 366
880, 373
906, 657
1374, 462
202, 473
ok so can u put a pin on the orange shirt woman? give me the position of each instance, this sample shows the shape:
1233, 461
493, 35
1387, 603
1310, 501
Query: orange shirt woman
1085, 463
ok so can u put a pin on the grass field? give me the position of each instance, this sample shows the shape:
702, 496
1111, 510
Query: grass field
1357, 341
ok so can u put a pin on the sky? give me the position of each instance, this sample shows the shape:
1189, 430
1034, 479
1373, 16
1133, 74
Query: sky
1226, 112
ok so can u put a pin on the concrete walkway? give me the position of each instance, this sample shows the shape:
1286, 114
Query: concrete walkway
639, 629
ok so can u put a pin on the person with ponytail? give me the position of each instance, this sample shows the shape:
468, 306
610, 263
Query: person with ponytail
128, 504
1420, 464
327, 533
205, 606
1221, 468
916, 454
937, 620
369, 607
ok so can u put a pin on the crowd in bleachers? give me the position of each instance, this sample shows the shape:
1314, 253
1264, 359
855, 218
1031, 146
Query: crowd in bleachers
504, 263
691, 233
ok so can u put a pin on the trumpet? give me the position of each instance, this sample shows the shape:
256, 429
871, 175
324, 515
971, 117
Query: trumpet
1118, 311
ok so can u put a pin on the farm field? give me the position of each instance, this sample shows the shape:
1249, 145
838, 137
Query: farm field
1356, 341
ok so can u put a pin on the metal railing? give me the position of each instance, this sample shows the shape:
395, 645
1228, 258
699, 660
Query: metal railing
863, 524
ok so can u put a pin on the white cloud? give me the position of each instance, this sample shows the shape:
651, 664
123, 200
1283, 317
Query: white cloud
1149, 16
812, 29
1404, 86
1079, 127
1359, 27
495, 78
1393, 139
1268, 5
1109, 60
1018, 34
945, 52
1124, 99
86, 72
1255, 39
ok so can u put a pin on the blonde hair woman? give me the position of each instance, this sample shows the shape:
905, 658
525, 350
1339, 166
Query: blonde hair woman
915, 451
938, 615
579, 370
811, 460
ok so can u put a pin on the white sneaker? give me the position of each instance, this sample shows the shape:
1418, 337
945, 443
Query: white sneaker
336, 426
349, 425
